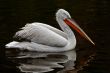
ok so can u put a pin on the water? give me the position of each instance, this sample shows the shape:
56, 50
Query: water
91, 15
37, 62
44, 62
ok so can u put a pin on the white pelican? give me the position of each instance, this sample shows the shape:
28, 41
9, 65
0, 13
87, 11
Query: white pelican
45, 38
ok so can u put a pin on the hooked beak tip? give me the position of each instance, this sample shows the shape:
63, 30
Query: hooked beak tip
93, 43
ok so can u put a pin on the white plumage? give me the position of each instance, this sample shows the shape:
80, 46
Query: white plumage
36, 32
45, 38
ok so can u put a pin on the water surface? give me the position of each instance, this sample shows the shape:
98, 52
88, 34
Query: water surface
41, 62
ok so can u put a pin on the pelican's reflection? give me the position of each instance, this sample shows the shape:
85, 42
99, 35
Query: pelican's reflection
35, 62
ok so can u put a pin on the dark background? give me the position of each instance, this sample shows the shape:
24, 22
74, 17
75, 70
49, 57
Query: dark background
91, 15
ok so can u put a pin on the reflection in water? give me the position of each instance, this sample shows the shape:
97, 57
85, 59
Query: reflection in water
35, 62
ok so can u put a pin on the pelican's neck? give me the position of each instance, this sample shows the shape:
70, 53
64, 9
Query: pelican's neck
70, 35
65, 28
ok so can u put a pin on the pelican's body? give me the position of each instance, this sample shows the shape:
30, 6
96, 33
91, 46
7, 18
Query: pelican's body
45, 38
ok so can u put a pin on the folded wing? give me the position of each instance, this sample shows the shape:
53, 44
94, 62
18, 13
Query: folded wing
42, 35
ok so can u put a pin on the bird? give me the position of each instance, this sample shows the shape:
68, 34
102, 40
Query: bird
45, 38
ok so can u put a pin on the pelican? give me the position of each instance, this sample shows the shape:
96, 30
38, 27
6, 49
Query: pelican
45, 38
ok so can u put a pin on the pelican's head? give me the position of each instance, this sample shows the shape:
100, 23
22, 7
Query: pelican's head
62, 14
65, 17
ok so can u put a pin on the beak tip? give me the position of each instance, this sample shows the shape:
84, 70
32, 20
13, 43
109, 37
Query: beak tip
93, 43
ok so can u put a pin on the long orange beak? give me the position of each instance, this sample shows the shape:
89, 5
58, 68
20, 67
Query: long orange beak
74, 25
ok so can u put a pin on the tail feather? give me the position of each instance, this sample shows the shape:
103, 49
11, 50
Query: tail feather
20, 45
12, 45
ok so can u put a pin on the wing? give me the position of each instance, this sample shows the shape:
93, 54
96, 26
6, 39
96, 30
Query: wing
41, 35
53, 29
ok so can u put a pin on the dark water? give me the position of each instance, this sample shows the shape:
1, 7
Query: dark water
37, 62
44, 62
91, 15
